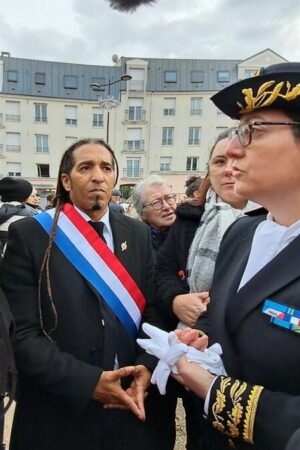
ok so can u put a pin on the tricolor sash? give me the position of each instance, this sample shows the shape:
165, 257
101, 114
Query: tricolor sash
93, 259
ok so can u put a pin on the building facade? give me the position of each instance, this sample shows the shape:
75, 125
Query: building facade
161, 121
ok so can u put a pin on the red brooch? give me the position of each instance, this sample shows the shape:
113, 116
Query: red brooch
181, 274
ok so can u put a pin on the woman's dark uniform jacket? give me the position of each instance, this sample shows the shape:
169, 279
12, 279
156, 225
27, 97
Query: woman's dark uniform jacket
255, 351
57, 379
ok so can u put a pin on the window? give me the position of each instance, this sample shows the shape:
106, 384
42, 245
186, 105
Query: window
197, 76
168, 136
43, 170
194, 135
170, 76
223, 76
135, 106
12, 111
14, 169
40, 78
165, 164
13, 142
133, 168
169, 106
97, 117
192, 163
70, 82
71, 115
41, 143
134, 141
137, 83
12, 75
196, 106
40, 112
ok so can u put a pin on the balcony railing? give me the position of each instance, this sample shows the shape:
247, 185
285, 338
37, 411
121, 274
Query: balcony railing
13, 148
42, 149
194, 141
12, 117
1, 119
97, 123
134, 146
136, 85
71, 121
1, 151
196, 112
168, 141
40, 119
133, 173
137, 117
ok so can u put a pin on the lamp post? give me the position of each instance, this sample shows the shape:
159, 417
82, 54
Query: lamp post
108, 102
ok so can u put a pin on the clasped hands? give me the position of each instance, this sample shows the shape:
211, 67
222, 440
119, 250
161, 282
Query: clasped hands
110, 392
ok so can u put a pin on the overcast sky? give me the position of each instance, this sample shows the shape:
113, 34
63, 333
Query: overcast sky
90, 32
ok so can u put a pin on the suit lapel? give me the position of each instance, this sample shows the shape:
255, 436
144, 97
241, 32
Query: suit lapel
121, 237
278, 273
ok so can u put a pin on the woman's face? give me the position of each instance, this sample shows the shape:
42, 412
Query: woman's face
220, 172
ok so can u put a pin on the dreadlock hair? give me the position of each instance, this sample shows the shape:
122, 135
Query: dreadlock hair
61, 197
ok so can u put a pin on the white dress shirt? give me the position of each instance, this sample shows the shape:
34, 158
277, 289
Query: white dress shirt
107, 231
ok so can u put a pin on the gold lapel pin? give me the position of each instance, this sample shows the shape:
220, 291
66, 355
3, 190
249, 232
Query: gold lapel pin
124, 246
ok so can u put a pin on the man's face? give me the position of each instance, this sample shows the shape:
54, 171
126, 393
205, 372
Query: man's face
33, 199
91, 180
162, 217
267, 171
115, 198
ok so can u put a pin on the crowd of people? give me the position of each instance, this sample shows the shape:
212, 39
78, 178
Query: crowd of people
80, 277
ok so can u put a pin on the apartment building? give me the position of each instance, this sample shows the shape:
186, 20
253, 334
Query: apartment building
161, 121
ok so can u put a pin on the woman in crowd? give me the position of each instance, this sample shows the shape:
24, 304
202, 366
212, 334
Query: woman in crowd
193, 242
155, 204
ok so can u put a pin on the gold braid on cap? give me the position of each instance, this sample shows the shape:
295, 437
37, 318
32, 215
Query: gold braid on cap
232, 409
268, 94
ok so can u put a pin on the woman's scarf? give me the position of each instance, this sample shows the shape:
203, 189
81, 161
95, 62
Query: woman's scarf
204, 249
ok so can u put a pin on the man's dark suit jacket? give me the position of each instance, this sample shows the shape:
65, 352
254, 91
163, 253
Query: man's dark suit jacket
255, 350
54, 407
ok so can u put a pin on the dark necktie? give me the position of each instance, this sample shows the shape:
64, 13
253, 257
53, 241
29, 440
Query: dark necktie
98, 227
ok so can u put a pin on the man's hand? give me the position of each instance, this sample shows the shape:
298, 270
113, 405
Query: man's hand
133, 398
109, 390
188, 307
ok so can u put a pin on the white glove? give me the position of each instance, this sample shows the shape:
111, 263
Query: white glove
168, 349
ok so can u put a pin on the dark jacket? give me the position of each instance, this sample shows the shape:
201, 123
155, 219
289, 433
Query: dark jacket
9, 213
54, 407
172, 259
255, 350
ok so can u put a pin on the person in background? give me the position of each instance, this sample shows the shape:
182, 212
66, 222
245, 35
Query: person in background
255, 296
33, 202
13, 192
114, 202
155, 204
50, 198
192, 187
78, 280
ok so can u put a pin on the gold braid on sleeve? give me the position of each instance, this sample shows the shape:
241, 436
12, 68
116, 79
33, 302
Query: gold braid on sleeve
232, 409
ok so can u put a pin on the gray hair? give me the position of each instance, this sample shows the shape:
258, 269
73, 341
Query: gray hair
140, 189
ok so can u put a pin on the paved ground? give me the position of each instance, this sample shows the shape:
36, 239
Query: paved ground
180, 441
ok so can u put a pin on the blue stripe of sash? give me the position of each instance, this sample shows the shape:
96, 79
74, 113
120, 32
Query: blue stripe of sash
88, 272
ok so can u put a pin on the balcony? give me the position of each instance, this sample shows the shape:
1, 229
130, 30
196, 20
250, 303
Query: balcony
196, 112
40, 119
71, 122
13, 148
1, 151
133, 146
135, 174
136, 85
139, 116
195, 141
12, 117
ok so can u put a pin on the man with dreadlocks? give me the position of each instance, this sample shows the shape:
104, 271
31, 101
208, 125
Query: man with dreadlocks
77, 278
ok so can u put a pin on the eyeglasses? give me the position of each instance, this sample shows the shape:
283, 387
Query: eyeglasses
245, 130
159, 202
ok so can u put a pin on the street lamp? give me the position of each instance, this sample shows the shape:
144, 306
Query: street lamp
108, 102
